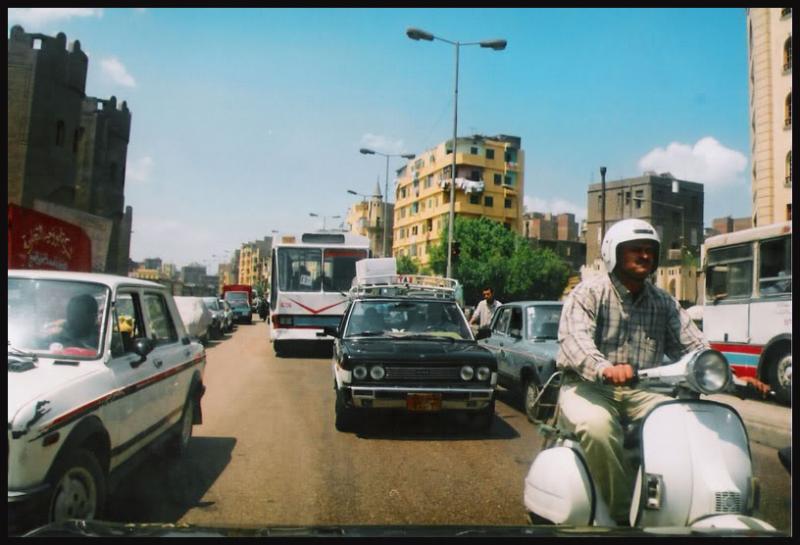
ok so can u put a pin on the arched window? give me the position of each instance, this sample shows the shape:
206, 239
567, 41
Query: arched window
787, 54
787, 120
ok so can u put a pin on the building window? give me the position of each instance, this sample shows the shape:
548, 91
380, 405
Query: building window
490, 154
474, 199
473, 150
639, 198
508, 203
787, 121
488, 201
789, 169
787, 54
786, 12
498, 179
475, 175
76, 141
59, 133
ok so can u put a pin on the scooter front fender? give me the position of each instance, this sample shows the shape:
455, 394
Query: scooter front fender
558, 488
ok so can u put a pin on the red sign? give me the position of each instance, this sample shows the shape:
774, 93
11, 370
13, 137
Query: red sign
39, 241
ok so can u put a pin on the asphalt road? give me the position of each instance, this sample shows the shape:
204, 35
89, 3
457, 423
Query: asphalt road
268, 454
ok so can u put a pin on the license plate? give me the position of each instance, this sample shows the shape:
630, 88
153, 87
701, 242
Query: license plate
424, 402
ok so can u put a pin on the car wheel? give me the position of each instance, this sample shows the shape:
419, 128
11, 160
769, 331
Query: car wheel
78, 487
179, 442
530, 401
482, 420
345, 419
779, 376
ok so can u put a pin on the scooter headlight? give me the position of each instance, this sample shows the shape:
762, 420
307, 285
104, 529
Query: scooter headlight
360, 372
708, 372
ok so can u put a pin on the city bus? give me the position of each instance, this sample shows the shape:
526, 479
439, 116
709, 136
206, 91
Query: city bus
311, 276
747, 313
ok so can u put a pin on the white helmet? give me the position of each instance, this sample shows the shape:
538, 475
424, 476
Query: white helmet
625, 231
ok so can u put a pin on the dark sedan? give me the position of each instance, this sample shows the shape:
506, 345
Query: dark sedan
524, 337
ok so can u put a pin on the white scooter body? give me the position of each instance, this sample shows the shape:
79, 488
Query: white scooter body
695, 471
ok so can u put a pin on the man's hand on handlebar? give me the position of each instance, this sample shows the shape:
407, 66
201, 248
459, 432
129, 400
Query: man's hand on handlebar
618, 375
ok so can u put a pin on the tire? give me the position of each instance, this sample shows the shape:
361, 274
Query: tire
530, 391
78, 487
178, 444
779, 376
482, 420
345, 419
279, 348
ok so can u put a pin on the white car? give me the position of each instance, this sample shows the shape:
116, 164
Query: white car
196, 316
100, 368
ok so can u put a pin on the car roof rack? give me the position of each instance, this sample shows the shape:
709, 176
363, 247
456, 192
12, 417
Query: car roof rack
406, 285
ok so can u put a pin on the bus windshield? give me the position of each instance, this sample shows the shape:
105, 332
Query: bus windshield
317, 269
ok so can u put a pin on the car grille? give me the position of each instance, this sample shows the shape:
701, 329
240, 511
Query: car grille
423, 373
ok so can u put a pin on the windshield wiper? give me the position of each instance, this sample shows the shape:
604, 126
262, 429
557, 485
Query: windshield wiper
21, 353
422, 336
367, 334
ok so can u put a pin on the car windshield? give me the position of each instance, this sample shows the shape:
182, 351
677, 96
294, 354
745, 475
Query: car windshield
56, 317
407, 318
543, 321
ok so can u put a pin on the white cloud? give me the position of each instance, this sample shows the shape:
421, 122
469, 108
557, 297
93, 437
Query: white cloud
139, 170
37, 17
116, 71
555, 206
383, 144
707, 162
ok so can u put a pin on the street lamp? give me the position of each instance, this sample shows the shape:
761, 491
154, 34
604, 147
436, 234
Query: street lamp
313, 215
408, 156
497, 45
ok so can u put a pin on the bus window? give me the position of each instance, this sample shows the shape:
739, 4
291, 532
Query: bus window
299, 269
339, 268
729, 274
775, 267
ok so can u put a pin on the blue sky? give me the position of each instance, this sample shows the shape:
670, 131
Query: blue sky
245, 120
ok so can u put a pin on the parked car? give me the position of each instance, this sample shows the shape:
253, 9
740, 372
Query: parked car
524, 337
402, 349
100, 370
241, 310
228, 312
196, 316
218, 326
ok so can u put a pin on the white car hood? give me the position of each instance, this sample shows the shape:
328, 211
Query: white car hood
43, 380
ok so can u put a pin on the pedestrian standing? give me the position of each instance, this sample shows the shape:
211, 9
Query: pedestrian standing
485, 309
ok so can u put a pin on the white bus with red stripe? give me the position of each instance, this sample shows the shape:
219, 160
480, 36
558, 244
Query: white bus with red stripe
747, 314
311, 276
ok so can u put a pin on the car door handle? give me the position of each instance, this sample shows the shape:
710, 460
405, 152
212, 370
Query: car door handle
158, 363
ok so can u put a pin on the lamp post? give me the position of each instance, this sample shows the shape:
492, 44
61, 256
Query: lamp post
408, 156
313, 215
497, 45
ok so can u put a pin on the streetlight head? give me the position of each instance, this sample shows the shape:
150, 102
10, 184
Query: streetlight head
408, 156
352, 192
417, 34
313, 215
366, 151
494, 44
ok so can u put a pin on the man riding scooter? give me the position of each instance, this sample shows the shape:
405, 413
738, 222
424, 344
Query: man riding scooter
612, 325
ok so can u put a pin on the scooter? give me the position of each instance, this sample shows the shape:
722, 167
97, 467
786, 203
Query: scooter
693, 459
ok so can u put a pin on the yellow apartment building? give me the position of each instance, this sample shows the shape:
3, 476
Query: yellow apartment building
254, 262
489, 183
769, 49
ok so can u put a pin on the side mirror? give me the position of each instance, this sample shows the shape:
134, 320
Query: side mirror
483, 333
142, 346
329, 331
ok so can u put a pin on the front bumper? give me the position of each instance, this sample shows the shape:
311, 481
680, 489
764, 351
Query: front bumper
395, 397
27, 508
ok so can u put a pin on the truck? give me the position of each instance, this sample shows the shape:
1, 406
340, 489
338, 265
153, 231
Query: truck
237, 287
40, 241
240, 298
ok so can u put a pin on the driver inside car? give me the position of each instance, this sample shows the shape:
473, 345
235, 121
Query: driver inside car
611, 325
80, 327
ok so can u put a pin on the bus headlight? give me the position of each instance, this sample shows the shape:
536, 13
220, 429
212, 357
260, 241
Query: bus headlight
377, 372
708, 372
483, 373
360, 372
467, 372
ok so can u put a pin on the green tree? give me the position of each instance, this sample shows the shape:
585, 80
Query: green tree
407, 265
492, 255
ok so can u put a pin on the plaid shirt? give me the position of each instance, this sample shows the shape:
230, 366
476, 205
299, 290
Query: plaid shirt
601, 325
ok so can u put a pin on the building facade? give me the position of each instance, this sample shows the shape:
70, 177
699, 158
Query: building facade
489, 183
255, 263
728, 224
769, 51
64, 148
366, 218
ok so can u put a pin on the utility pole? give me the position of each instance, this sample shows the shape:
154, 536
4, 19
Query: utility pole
602, 204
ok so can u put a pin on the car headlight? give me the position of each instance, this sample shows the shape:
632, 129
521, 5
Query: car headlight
360, 372
377, 372
708, 372
467, 372
483, 373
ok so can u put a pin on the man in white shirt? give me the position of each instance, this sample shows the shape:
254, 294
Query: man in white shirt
485, 309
